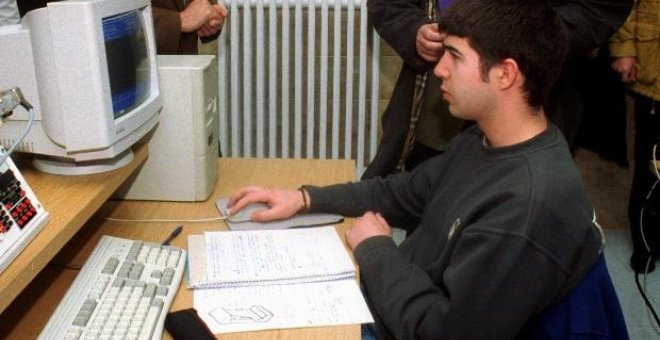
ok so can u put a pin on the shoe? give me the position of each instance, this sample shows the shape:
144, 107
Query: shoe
639, 261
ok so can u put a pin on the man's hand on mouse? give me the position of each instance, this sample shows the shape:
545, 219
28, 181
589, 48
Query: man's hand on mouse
281, 203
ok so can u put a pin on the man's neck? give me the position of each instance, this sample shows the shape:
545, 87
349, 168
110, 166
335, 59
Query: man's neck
513, 127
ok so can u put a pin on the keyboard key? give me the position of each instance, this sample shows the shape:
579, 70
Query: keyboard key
150, 320
110, 266
161, 291
73, 333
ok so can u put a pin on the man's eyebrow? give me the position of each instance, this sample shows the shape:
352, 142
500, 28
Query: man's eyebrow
453, 50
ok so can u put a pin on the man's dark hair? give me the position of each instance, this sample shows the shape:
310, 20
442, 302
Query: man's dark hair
528, 31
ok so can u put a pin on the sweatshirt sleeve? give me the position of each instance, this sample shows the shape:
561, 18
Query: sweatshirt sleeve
498, 295
400, 197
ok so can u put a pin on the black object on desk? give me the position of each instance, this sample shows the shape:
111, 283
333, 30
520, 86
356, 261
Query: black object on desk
187, 325
173, 235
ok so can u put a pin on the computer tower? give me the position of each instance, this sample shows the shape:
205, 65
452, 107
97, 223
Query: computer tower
183, 148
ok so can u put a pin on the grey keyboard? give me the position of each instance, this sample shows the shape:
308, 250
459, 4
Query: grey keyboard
123, 291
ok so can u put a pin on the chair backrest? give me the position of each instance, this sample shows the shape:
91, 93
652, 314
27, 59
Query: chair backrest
590, 311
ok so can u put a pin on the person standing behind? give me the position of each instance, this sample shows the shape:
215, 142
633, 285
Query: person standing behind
180, 24
408, 27
404, 24
635, 49
501, 226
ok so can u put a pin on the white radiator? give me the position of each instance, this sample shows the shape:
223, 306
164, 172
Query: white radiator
299, 79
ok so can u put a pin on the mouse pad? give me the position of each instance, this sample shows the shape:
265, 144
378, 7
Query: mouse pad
241, 221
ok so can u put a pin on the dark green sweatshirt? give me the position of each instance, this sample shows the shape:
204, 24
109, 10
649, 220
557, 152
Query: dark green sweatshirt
495, 236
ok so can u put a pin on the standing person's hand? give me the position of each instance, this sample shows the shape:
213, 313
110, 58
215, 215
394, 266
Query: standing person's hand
369, 225
215, 25
429, 42
626, 67
197, 14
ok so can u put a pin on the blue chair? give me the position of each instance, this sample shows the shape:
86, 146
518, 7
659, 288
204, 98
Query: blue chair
590, 311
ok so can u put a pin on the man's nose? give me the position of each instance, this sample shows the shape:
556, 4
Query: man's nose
440, 69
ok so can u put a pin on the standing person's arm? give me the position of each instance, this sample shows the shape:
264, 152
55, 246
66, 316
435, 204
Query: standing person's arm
591, 22
397, 22
173, 23
212, 29
167, 27
623, 48
197, 14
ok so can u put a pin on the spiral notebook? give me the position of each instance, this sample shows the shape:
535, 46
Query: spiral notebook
267, 257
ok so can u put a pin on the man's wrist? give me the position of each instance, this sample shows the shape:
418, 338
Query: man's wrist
184, 18
305, 199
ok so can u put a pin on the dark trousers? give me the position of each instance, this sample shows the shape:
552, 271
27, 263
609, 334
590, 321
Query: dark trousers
645, 227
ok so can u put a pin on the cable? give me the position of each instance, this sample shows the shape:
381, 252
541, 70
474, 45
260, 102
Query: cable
642, 290
221, 218
655, 167
20, 139
646, 300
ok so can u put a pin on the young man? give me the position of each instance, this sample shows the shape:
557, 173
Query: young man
408, 120
504, 227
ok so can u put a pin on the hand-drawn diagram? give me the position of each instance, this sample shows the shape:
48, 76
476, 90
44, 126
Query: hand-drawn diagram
255, 313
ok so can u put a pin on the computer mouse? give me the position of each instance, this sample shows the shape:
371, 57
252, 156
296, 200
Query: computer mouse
245, 213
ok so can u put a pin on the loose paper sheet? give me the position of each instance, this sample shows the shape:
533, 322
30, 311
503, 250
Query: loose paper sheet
241, 309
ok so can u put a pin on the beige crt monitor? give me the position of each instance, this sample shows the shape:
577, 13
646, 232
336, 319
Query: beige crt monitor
183, 148
88, 67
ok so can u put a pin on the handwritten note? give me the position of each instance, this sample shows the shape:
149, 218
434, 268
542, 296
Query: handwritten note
275, 257
240, 309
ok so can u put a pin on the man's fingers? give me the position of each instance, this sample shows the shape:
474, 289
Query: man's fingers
222, 10
240, 193
381, 219
266, 215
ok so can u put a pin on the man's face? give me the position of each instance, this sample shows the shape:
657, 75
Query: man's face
463, 88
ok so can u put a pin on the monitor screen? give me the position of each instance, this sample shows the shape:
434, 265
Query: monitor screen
126, 54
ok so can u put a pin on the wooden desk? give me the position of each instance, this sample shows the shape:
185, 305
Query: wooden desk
70, 201
233, 174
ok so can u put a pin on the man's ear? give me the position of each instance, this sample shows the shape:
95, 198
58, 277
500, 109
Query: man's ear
507, 73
